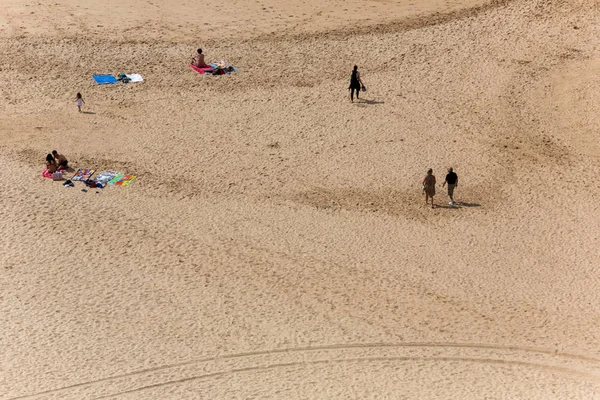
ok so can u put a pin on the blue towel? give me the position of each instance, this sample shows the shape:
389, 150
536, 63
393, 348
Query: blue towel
104, 79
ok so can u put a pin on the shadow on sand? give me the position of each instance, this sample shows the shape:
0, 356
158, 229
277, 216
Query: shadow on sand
368, 102
446, 206
88, 112
461, 204
457, 205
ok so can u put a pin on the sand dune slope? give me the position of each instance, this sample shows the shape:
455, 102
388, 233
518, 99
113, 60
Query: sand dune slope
275, 243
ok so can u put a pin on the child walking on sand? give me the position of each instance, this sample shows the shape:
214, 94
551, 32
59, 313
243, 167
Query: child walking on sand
79, 101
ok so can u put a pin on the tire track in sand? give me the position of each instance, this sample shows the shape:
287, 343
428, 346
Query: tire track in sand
214, 367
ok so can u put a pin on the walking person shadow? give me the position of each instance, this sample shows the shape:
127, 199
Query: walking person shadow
457, 205
368, 102
463, 204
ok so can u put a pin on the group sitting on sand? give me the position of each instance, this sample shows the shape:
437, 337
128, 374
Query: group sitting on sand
56, 161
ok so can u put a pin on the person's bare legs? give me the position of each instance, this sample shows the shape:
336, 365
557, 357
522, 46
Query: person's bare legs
352, 94
427, 199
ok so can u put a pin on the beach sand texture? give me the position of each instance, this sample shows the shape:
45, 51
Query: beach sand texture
275, 243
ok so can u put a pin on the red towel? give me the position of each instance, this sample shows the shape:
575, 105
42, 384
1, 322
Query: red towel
203, 69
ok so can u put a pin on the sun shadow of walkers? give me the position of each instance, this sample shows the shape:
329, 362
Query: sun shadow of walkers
461, 204
371, 102
457, 205
447, 206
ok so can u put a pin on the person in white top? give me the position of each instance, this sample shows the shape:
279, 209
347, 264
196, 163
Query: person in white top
79, 101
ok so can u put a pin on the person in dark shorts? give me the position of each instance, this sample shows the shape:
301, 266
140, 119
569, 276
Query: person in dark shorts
61, 161
452, 181
355, 83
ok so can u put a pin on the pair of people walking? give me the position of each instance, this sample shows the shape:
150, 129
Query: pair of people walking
429, 185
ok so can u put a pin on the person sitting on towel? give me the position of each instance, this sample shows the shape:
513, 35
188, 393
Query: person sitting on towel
50, 163
61, 161
198, 60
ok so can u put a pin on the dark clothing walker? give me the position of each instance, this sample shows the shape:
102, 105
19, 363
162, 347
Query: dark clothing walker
451, 178
354, 82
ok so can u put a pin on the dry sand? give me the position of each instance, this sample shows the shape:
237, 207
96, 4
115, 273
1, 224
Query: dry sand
276, 243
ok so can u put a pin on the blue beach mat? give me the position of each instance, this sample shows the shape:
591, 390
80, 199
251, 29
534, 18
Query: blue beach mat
104, 79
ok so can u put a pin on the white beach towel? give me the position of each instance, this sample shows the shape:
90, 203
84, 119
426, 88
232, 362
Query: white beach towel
135, 77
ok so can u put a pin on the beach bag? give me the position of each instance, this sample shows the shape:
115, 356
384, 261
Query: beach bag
123, 78
57, 176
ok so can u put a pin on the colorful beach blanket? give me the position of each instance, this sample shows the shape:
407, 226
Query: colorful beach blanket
47, 174
125, 180
116, 179
105, 176
104, 79
223, 66
203, 70
83, 174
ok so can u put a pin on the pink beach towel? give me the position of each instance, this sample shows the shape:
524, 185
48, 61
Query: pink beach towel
48, 174
202, 70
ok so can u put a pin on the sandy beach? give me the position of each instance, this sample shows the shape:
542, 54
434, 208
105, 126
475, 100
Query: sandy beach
275, 243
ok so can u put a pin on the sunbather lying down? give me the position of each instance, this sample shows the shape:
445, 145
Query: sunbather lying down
198, 60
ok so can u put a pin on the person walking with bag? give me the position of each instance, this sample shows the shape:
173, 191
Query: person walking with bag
355, 84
